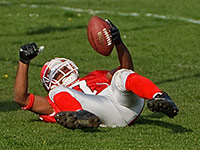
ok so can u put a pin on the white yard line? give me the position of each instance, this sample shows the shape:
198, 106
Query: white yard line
95, 12
134, 14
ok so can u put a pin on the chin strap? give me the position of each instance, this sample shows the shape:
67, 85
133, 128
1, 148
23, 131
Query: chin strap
30, 104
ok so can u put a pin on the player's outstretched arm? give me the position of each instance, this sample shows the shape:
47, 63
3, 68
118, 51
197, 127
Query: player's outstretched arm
124, 55
35, 103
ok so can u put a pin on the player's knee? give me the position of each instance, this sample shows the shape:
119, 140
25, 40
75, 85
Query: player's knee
119, 78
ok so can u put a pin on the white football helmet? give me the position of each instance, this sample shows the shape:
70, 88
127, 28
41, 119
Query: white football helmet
58, 71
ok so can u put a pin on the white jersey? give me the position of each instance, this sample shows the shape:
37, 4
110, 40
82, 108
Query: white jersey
114, 105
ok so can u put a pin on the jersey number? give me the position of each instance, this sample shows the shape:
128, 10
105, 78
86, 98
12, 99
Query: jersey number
84, 87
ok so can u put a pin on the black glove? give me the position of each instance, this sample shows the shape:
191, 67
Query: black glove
28, 52
115, 34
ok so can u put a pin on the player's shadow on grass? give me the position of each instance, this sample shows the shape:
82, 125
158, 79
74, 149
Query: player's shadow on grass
174, 127
8, 106
49, 29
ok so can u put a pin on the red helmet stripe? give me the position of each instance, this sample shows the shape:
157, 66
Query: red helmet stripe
42, 71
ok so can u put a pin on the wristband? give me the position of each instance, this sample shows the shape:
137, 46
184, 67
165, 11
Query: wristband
30, 104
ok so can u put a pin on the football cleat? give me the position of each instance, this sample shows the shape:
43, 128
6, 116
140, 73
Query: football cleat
163, 104
80, 119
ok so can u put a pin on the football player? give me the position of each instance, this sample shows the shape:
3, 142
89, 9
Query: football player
102, 98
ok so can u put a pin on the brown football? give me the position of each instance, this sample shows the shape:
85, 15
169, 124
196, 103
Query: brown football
98, 32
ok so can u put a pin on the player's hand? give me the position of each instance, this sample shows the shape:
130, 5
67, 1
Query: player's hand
29, 51
115, 34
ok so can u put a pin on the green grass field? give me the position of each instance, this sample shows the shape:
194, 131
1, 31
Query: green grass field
164, 40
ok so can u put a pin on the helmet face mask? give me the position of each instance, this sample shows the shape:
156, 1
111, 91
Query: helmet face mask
58, 71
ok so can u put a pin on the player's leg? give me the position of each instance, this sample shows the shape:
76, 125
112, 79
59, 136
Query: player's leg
100, 105
158, 101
